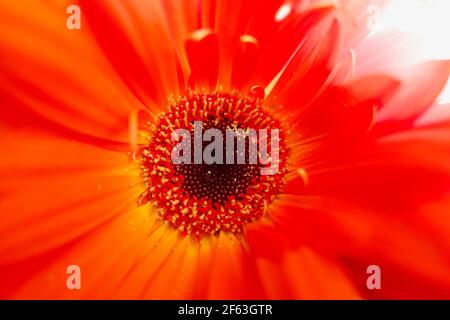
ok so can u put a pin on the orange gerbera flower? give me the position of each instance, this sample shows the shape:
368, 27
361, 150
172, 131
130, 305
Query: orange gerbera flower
86, 181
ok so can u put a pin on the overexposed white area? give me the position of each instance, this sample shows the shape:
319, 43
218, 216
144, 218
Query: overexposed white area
428, 21
283, 12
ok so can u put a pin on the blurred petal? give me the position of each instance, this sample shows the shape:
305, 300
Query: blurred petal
391, 175
419, 90
290, 272
120, 28
304, 77
202, 49
104, 256
58, 73
400, 246
376, 88
54, 190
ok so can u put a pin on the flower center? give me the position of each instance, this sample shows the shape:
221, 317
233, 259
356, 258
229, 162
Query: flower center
213, 163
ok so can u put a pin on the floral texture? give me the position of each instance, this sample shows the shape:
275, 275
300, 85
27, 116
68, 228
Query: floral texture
86, 115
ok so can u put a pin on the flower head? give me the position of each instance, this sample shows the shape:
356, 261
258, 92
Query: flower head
93, 118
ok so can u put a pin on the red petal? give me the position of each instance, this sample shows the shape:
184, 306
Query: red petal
203, 53
245, 62
58, 73
419, 90
356, 238
307, 72
291, 271
135, 38
376, 88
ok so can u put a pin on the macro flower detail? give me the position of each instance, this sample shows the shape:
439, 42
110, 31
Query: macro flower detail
96, 118
203, 198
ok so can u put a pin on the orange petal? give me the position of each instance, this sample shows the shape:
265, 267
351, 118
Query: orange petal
135, 38
231, 264
182, 18
54, 190
175, 267
105, 257
59, 73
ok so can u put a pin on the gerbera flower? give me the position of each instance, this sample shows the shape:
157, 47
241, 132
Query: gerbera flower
85, 129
